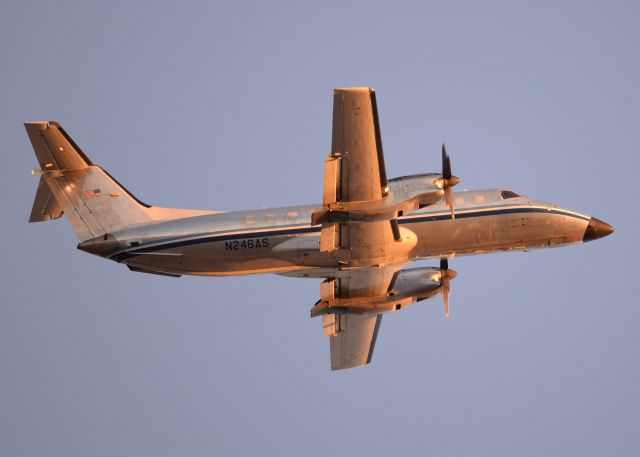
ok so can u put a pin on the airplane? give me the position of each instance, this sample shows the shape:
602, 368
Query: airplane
359, 241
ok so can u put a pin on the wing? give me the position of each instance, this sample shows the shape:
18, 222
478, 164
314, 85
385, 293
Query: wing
352, 301
356, 148
355, 170
353, 345
355, 181
353, 328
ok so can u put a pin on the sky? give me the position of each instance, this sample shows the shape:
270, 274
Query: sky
227, 106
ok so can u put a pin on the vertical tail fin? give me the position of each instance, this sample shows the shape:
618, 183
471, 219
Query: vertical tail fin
94, 203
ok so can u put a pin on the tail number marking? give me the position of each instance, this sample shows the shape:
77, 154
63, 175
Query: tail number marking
251, 243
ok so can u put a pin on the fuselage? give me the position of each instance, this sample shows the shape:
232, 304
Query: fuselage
283, 239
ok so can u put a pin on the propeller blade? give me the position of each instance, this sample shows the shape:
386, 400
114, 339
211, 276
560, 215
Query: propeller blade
448, 180
446, 276
446, 290
448, 197
446, 163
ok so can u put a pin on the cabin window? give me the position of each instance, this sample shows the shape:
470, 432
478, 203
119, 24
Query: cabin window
509, 194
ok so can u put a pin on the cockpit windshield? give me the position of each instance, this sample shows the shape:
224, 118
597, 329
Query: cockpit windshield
505, 194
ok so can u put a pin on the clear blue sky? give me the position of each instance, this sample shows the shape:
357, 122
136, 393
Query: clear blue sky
227, 105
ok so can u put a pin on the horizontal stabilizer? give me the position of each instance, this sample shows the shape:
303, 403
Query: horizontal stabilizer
45, 205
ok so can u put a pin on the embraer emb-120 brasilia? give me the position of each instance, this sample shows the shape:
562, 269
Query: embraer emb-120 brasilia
359, 240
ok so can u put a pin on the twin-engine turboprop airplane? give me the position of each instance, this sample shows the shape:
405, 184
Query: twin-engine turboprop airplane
359, 240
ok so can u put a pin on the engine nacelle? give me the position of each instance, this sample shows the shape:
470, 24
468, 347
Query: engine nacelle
405, 194
410, 285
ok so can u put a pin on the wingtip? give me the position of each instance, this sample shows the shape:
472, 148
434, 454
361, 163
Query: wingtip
354, 89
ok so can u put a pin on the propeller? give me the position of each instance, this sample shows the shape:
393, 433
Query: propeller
446, 276
448, 180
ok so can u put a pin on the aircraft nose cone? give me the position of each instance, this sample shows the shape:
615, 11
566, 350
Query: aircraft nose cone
596, 229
